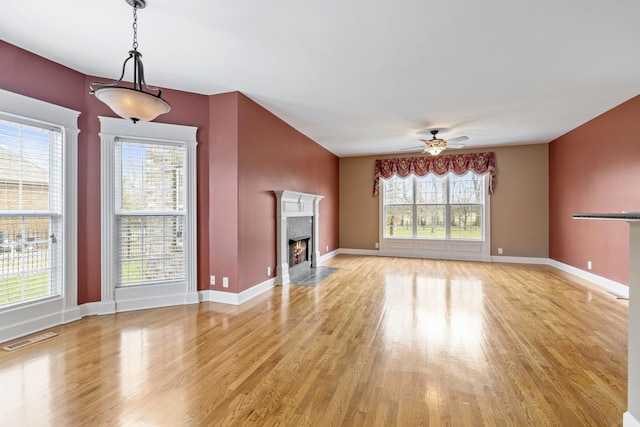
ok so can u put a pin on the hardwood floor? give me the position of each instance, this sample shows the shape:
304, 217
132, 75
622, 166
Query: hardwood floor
380, 342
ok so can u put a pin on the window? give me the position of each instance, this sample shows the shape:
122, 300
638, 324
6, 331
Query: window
433, 207
150, 212
38, 215
148, 198
30, 211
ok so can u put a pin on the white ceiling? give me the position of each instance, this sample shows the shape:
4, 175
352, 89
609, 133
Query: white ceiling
365, 76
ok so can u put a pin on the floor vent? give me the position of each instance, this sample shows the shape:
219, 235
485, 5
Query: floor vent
29, 341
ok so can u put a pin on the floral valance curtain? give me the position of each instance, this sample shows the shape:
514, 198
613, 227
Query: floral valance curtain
480, 163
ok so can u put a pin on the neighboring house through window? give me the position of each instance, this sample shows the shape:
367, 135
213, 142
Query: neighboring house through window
31, 211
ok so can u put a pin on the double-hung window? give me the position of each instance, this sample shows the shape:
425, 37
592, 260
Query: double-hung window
148, 215
150, 212
31, 208
434, 207
38, 215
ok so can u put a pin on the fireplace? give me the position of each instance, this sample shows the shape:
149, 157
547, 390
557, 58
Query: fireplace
298, 251
297, 234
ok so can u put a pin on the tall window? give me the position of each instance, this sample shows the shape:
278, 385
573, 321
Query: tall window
148, 227
433, 207
150, 212
31, 206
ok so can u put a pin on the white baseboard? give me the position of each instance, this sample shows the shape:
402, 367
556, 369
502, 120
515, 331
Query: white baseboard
218, 296
71, 315
520, 260
603, 282
97, 308
29, 327
629, 420
236, 299
366, 252
329, 255
21, 320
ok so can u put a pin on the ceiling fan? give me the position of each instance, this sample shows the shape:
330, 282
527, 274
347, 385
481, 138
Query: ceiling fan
435, 145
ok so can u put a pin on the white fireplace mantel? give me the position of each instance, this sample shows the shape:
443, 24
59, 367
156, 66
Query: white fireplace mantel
295, 204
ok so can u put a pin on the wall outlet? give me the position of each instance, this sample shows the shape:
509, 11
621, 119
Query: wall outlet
377, 245
225, 282
499, 251
212, 280
268, 271
327, 248
589, 265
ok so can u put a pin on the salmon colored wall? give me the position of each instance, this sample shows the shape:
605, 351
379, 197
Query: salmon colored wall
519, 205
223, 195
274, 156
595, 168
31, 75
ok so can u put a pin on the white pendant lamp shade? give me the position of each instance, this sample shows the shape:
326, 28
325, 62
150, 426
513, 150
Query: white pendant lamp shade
132, 104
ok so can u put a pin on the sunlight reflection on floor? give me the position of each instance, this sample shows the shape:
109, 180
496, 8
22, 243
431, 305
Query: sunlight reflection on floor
434, 314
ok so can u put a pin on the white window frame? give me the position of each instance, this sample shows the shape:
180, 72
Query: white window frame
33, 316
125, 298
441, 248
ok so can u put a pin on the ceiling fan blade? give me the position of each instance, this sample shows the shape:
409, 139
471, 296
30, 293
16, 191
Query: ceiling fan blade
455, 146
457, 139
412, 148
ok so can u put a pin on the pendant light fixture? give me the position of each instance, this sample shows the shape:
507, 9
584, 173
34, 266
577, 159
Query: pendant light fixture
134, 103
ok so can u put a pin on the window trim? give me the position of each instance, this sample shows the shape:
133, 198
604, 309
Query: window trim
116, 299
414, 205
41, 314
442, 248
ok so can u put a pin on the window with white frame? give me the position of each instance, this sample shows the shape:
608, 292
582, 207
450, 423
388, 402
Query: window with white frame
31, 208
434, 207
38, 215
148, 245
150, 212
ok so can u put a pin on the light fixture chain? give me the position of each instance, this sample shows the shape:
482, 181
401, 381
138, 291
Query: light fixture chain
131, 100
135, 27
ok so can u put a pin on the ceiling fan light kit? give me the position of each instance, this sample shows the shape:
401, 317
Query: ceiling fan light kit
435, 145
133, 103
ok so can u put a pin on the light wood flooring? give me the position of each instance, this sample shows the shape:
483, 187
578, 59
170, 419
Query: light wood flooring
380, 342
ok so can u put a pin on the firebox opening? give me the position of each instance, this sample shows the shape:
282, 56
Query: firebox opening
298, 250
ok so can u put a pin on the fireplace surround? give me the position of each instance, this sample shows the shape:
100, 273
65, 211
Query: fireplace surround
295, 205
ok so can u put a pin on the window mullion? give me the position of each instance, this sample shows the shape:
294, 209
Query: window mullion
415, 207
447, 207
